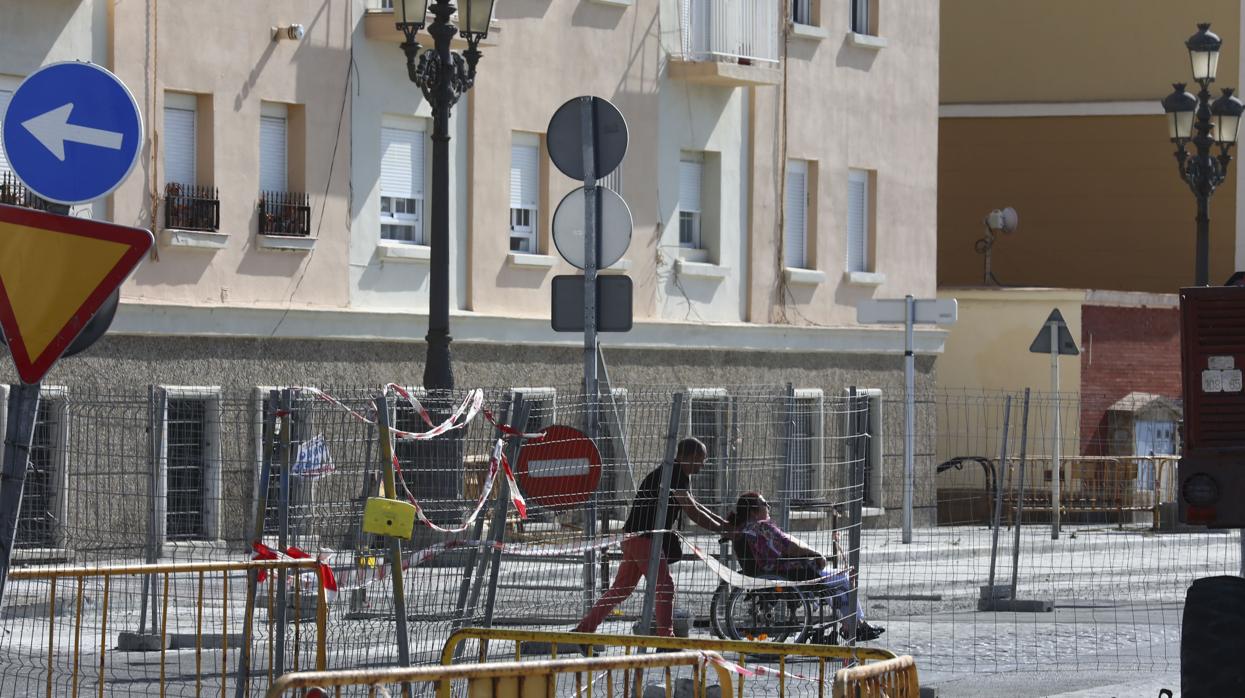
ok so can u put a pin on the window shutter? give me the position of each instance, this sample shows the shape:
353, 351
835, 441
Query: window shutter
272, 162
689, 185
795, 230
4, 105
402, 163
857, 220
179, 145
524, 163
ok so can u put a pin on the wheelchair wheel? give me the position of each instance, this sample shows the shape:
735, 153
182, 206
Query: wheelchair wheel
776, 614
717, 611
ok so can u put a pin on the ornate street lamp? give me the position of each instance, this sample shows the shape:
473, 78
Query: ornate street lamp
1203, 123
443, 76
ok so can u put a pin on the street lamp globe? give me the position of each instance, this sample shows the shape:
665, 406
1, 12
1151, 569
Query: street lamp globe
1226, 117
1180, 107
413, 13
1204, 53
477, 14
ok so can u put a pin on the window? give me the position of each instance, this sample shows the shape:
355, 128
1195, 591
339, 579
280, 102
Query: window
707, 411
613, 180
524, 192
858, 222
802, 11
795, 216
806, 454
273, 169
542, 407
872, 423
691, 173
863, 15
402, 181
180, 116
40, 521
190, 477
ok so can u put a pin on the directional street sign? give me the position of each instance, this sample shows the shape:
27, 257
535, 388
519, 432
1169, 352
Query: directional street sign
1041, 344
55, 273
72, 132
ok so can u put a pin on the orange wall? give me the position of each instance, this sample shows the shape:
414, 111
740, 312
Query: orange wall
1100, 203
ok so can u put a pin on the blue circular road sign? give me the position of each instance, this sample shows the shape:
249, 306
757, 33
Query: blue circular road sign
72, 132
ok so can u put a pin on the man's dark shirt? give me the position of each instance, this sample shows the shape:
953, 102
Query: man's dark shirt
643, 514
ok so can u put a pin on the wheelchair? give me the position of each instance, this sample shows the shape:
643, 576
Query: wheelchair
785, 612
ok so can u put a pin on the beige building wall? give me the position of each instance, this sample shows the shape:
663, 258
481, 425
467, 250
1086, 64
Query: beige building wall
225, 55
1053, 108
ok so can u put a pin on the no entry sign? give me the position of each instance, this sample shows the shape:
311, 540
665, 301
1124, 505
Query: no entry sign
559, 470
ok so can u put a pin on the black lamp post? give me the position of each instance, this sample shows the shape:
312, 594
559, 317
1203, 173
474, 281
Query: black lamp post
1201, 170
443, 76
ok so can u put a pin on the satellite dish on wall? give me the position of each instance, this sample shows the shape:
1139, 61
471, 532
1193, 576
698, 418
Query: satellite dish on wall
1003, 220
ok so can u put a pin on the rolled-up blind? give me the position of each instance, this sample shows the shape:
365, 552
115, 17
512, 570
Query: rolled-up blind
795, 214
272, 153
401, 163
179, 145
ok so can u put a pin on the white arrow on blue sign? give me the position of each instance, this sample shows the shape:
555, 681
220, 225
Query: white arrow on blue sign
72, 132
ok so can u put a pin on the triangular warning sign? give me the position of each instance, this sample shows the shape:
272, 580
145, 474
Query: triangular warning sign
1041, 343
55, 272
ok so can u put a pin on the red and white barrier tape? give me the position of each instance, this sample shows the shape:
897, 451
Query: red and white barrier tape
323, 569
753, 671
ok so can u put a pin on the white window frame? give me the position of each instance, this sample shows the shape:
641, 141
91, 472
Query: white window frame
874, 463
802, 12
796, 169
860, 18
691, 204
59, 483
713, 482
401, 212
274, 114
862, 227
211, 531
542, 406
182, 101
525, 214
811, 401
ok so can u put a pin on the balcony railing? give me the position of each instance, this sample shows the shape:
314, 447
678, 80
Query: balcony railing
284, 213
14, 193
189, 207
736, 30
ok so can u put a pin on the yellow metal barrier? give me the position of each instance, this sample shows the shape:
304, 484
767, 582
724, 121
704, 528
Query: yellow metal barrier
70, 649
508, 679
893, 678
741, 650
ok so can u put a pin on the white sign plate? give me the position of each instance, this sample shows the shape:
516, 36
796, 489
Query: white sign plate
561, 467
1221, 363
1232, 381
928, 311
1212, 381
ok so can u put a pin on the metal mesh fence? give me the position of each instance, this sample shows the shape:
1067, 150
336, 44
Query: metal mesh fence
175, 474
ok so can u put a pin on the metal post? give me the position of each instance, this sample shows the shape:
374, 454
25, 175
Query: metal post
1001, 477
591, 389
1202, 272
500, 509
20, 430
268, 445
158, 405
1055, 459
283, 531
395, 544
620, 441
788, 458
909, 414
857, 419
1020, 492
663, 503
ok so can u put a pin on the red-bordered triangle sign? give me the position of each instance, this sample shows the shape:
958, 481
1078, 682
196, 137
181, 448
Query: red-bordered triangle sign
55, 273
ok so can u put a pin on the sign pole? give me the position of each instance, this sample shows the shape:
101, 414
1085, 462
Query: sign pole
1055, 446
588, 135
909, 410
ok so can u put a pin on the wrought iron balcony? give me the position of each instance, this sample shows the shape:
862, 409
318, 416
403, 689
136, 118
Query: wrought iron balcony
14, 193
190, 207
284, 213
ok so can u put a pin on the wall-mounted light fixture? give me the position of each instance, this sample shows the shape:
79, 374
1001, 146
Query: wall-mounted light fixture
294, 32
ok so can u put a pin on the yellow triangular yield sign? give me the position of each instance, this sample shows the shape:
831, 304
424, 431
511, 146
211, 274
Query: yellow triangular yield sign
55, 272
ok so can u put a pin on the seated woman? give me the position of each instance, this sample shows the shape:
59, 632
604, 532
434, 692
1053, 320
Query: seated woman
775, 553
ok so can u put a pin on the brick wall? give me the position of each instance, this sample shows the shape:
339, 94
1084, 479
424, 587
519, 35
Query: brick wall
1124, 350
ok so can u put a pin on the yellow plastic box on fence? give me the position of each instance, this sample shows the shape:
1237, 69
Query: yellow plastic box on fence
388, 517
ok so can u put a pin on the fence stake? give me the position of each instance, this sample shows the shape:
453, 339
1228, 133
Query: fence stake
909, 412
283, 530
1056, 463
395, 544
619, 435
23, 409
788, 457
856, 418
500, 508
663, 504
1020, 492
261, 513
998, 492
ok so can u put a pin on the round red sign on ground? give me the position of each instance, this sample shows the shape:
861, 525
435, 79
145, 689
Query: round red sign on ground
560, 470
